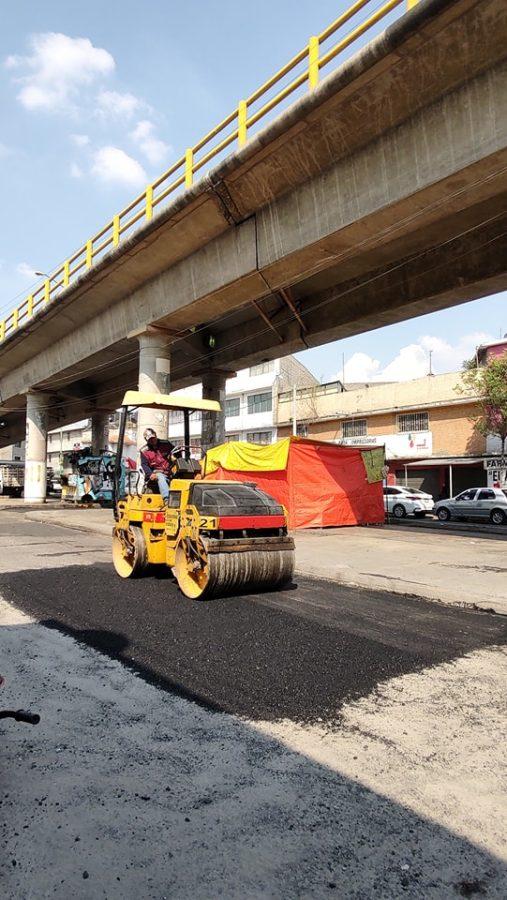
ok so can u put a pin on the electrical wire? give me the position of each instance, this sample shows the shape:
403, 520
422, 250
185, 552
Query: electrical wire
291, 317
387, 232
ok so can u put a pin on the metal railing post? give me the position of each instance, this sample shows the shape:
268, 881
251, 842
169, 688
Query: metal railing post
313, 62
66, 273
89, 254
411, 3
2, 331
116, 231
47, 290
29, 306
242, 116
189, 167
149, 203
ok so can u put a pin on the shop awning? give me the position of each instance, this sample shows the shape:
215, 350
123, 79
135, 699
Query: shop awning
449, 461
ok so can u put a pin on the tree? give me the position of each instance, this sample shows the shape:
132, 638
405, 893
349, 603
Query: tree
489, 382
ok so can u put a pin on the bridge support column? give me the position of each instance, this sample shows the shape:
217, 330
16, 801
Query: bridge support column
213, 424
154, 378
37, 418
100, 432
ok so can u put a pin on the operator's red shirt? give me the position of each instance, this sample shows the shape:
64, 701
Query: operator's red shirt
156, 459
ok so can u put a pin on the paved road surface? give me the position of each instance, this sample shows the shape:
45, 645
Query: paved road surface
362, 755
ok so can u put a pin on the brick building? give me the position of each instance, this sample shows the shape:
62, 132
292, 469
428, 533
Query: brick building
424, 424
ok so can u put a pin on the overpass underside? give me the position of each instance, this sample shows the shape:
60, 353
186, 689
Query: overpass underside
378, 197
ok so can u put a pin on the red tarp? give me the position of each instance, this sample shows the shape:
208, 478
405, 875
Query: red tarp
323, 484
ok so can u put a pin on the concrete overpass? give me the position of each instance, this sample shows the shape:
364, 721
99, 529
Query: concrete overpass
378, 196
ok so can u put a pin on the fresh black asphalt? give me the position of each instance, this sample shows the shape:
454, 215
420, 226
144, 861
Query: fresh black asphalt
299, 653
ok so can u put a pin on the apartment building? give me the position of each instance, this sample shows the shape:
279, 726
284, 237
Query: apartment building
251, 404
424, 425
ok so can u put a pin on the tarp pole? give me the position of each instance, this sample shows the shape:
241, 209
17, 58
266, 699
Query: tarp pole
451, 493
294, 420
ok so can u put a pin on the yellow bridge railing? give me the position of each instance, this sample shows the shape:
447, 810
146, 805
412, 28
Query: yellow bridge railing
233, 129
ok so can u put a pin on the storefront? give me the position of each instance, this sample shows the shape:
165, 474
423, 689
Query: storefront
443, 477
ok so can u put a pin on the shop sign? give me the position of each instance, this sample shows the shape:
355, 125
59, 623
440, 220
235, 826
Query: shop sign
496, 467
413, 444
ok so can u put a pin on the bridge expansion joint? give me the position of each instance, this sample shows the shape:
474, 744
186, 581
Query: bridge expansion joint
227, 205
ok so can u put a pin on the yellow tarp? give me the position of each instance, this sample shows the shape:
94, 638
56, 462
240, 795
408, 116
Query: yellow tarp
374, 461
239, 456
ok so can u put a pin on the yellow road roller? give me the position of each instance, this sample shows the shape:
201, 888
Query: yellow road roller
218, 537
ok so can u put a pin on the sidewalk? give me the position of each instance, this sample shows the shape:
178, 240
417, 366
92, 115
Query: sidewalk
464, 569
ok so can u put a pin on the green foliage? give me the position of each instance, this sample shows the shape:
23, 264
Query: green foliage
489, 383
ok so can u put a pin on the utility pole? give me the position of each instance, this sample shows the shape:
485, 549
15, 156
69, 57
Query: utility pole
430, 371
294, 416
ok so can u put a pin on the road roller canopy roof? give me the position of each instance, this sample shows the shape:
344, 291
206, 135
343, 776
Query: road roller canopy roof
169, 401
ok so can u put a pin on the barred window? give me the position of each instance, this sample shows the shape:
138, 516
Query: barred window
258, 403
232, 406
262, 368
302, 430
175, 416
231, 437
413, 422
354, 428
259, 437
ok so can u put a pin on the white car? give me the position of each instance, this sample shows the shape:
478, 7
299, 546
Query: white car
405, 501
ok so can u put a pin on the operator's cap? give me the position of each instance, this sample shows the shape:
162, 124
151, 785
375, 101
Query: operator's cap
149, 433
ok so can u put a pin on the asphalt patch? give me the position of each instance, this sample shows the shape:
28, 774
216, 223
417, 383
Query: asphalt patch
299, 653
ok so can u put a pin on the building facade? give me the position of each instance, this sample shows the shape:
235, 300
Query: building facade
424, 424
251, 404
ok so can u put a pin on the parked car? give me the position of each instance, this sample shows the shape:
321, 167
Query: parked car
475, 503
405, 501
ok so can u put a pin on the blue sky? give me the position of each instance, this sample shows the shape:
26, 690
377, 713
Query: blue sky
99, 98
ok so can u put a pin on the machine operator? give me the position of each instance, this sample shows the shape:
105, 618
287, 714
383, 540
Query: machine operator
156, 461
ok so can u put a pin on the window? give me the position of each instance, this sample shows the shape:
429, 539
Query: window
389, 491
486, 495
175, 416
466, 495
231, 437
258, 403
302, 430
259, 437
232, 406
17, 444
354, 428
262, 368
413, 422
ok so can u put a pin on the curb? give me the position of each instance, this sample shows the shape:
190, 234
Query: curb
389, 585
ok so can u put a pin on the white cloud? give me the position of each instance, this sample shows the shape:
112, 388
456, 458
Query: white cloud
26, 271
57, 68
153, 148
80, 140
113, 166
111, 104
413, 360
75, 170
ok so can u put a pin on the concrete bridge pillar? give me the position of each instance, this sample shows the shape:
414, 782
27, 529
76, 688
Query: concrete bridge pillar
154, 378
37, 418
213, 424
100, 432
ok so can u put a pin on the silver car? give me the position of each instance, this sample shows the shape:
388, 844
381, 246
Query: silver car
475, 503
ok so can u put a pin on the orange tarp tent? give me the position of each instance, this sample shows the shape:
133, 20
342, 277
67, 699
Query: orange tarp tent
319, 483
